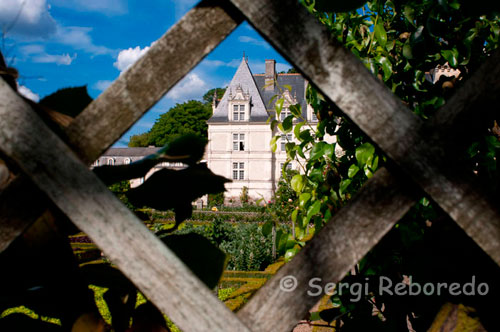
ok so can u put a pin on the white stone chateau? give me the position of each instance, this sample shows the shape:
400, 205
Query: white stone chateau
238, 133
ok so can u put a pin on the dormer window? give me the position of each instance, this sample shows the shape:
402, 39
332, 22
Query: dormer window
239, 113
239, 105
284, 113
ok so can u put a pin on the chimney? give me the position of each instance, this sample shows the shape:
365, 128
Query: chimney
270, 75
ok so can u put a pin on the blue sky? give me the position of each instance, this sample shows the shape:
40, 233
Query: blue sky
61, 43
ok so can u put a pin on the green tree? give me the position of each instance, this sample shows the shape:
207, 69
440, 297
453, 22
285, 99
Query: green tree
209, 96
140, 140
186, 118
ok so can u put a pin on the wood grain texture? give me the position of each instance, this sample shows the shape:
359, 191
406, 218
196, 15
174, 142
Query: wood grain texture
168, 60
378, 112
137, 252
345, 239
133, 93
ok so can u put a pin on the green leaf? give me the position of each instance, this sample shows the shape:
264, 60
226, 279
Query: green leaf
296, 110
279, 107
407, 51
303, 199
367, 171
313, 209
353, 169
386, 67
274, 123
297, 183
344, 185
273, 143
317, 150
290, 253
288, 124
381, 34
267, 228
409, 13
296, 130
338, 6
329, 150
364, 152
451, 56
288, 87
294, 215
204, 259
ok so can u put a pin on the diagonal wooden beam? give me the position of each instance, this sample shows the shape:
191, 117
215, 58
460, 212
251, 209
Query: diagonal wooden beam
378, 112
139, 88
311, 263
108, 117
136, 251
344, 240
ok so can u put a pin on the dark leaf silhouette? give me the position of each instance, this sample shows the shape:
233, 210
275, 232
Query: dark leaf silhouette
203, 258
187, 149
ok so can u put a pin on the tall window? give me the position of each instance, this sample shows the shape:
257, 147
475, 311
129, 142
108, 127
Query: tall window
314, 116
284, 113
285, 139
238, 171
96, 163
126, 161
111, 161
238, 112
238, 142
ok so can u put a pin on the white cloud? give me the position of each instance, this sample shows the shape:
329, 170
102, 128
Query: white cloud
190, 87
107, 7
63, 59
102, 85
26, 18
24, 91
128, 57
37, 54
79, 38
253, 41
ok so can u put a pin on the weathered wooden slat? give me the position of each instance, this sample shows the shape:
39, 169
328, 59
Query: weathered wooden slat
109, 116
139, 88
345, 239
137, 252
372, 106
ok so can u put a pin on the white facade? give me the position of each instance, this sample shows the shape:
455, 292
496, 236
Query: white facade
239, 148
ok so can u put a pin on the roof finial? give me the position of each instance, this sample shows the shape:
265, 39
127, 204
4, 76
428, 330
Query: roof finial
243, 55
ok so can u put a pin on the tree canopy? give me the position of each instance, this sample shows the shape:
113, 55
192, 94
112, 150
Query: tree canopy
209, 96
185, 118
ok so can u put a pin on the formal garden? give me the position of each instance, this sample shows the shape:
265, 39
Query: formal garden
235, 250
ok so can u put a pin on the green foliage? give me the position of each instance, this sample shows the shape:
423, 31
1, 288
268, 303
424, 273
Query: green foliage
247, 248
216, 199
141, 140
187, 118
399, 42
209, 95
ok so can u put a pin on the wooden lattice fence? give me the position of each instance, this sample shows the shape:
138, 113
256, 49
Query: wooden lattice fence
56, 171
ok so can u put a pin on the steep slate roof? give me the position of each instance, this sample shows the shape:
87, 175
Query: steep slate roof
129, 152
244, 78
295, 81
260, 97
